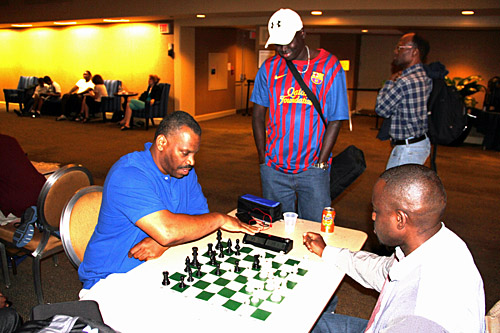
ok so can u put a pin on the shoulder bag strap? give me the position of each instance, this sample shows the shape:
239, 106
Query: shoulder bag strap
312, 97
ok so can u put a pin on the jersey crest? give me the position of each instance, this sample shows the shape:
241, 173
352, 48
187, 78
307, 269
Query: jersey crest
317, 78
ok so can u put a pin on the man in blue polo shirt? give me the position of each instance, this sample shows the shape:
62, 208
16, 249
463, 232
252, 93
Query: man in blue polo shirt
152, 200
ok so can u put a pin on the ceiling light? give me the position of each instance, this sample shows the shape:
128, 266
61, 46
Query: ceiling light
201, 16
65, 23
364, 30
316, 12
467, 12
21, 25
116, 20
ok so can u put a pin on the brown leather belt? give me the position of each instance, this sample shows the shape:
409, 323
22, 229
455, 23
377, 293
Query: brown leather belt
408, 141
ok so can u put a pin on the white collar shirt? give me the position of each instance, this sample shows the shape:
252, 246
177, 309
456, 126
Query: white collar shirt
438, 281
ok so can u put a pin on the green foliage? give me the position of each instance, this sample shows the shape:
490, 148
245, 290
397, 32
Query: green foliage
467, 87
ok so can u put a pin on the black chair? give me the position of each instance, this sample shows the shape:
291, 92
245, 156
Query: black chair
111, 103
87, 309
157, 110
25, 89
492, 96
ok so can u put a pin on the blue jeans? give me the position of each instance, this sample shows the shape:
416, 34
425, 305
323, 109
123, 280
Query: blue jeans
311, 190
332, 322
415, 153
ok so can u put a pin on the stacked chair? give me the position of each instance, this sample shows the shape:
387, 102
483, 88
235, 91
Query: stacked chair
56, 192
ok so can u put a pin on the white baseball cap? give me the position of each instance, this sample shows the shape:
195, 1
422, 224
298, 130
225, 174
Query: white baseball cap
283, 26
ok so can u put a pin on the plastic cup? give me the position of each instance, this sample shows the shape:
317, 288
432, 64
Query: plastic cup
290, 220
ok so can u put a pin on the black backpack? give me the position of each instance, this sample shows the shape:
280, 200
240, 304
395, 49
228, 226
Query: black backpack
447, 116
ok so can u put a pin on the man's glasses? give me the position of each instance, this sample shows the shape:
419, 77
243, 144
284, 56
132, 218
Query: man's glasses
403, 47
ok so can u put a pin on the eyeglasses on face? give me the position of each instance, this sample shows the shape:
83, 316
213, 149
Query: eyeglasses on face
400, 48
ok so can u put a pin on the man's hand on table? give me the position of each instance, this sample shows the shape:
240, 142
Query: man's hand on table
147, 249
232, 224
314, 243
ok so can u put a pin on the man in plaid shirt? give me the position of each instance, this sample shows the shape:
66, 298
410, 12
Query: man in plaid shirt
404, 99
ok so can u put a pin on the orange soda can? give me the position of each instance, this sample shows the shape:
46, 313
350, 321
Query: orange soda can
328, 220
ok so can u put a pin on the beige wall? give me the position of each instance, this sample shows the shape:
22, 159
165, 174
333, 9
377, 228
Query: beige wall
126, 52
214, 40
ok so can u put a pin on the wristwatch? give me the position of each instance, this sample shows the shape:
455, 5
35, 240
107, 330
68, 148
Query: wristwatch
322, 165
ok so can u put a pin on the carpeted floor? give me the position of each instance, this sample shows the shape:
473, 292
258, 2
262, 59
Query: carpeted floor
227, 167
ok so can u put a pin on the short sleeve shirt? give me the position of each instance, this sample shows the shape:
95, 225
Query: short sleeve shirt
295, 130
84, 85
134, 188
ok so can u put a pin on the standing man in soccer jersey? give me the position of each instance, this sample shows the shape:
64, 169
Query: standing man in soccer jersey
296, 157
404, 99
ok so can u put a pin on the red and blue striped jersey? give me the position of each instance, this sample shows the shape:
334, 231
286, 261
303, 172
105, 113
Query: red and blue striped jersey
295, 130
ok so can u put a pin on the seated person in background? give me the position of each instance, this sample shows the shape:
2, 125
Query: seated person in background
72, 101
35, 100
152, 200
21, 182
152, 94
53, 94
431, 274
92, 99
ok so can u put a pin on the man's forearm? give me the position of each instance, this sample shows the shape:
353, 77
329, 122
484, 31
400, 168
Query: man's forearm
259, 130
332, 132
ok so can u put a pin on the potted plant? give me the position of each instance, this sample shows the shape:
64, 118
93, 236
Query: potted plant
466, 87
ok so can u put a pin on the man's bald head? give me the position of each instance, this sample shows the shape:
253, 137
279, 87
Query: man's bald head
418, 191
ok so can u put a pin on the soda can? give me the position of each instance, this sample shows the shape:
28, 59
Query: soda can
328, 220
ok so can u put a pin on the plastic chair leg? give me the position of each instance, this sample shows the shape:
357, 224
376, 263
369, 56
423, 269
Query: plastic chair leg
5, 268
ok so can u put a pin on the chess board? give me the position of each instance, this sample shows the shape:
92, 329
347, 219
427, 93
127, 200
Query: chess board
252, 292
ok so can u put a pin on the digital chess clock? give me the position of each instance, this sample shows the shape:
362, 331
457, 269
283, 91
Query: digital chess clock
269, 242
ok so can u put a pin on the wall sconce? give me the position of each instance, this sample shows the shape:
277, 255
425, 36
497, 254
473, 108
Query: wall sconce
170, 48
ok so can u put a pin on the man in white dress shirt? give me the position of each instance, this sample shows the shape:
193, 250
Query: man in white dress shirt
431, 275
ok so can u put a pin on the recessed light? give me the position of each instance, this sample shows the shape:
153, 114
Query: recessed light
65, 23
364, 30
21, 25
201, 15
316, 12
116, 20
467, 12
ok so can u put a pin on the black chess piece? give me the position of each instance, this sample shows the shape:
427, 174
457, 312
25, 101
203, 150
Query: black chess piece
188, 264
237, 268
219, 246
182, 285
237, 247
210, 249
198, 272
221, 253
213, 261
256, 262
217, 269
229, 251
166, 280
194, 262
190, 276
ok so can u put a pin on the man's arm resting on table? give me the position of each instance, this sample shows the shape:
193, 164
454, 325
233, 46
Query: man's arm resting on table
169, 229
368, 269
259, 130
332, 132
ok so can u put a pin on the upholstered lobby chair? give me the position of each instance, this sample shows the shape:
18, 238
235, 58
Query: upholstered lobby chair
157, 110
56, 192
78, 222
25, 87
112, 102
